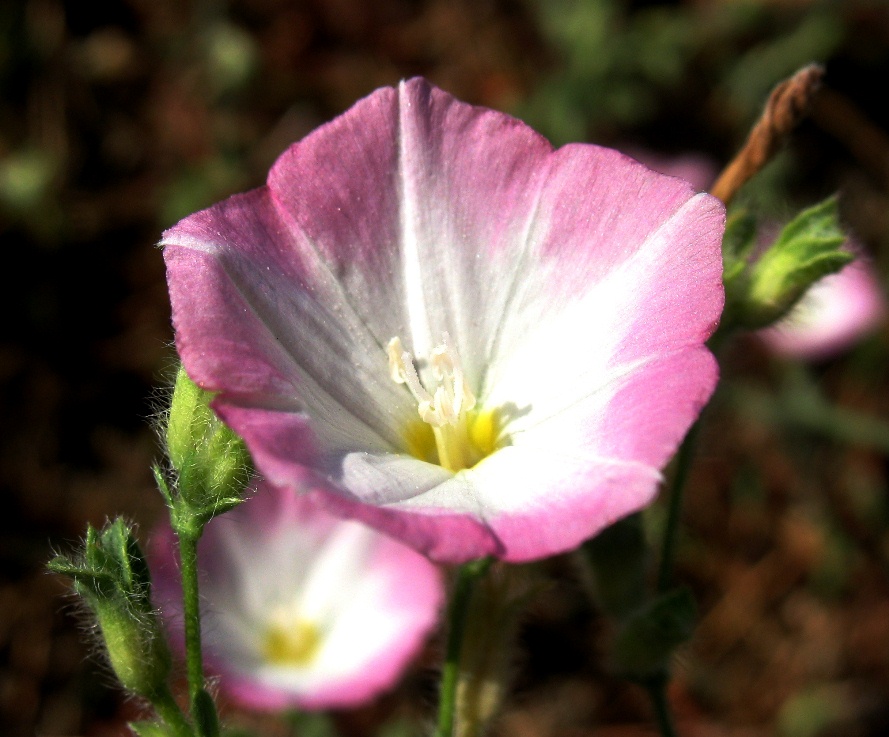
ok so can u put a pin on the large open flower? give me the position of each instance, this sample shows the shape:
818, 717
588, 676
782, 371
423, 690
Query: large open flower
301, 608
462, 336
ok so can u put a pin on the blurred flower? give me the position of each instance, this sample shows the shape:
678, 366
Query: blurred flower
300, 608
831, 316
463, 337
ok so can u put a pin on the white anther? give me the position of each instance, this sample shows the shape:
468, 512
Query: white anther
396, 362
451, 397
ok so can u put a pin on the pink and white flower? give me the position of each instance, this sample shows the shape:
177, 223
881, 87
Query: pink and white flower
831, 316
301, 608
468, 339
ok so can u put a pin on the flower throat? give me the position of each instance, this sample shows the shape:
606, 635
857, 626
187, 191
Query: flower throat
451, 431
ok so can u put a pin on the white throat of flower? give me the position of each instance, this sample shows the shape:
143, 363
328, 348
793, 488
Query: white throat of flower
461, 440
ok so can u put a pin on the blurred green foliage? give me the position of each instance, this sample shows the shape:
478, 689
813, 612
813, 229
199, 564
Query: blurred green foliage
618, 67
611, 65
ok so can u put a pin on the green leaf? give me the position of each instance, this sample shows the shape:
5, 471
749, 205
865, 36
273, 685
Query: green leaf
205, 714
618, 558
644, 645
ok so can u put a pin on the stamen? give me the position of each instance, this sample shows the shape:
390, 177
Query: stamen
450, 399
402, 371
444, 407
396, 362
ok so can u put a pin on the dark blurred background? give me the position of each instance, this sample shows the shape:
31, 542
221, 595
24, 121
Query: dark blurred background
117, 117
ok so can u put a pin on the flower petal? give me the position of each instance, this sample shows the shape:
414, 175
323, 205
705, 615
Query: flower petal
250, 328
568, 477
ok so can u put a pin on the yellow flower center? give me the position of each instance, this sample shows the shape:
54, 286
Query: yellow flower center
290, 640
451, 431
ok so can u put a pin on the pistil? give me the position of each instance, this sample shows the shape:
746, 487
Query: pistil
290, 639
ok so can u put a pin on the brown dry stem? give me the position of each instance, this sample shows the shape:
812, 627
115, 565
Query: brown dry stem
787, 105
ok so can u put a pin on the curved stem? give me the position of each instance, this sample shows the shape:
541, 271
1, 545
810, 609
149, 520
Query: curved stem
657, 687
786, 107
671, 533
467, 575
657, 690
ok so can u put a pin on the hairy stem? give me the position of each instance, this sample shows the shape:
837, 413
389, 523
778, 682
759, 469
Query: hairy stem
188, 556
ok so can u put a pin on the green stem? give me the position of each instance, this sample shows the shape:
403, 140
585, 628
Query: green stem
188, 556
671, 533
467, 575
657, 690
168, 710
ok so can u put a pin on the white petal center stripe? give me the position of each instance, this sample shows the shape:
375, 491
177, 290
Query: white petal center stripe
462, 437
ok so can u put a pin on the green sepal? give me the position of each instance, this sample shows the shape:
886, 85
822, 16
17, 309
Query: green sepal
162, 484
190, 521
807, 249
189, 415
150, 729
211, 462
738, 243
646, 642
110, 566
89, 582
618, 558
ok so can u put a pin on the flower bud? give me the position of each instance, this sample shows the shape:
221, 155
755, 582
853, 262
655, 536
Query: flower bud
807, 249
136, 647
832, 316
212, 462
112, 578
